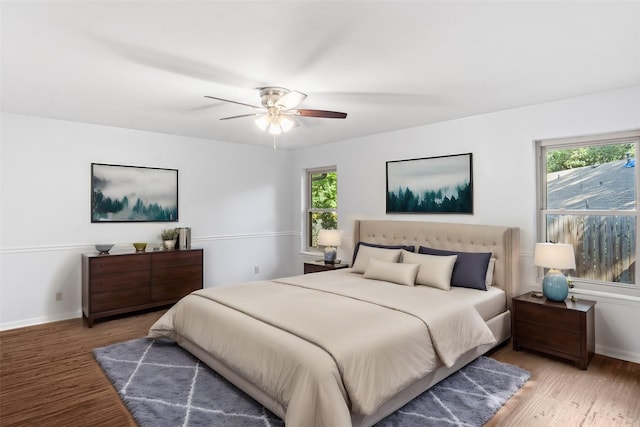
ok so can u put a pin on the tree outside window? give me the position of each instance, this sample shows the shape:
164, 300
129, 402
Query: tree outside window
322, 202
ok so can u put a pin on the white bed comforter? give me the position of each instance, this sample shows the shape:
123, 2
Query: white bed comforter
328, 343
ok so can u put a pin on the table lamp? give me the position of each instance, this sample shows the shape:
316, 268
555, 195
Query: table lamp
555, 257
330, 239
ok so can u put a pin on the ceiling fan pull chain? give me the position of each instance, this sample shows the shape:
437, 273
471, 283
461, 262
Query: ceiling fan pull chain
274, 143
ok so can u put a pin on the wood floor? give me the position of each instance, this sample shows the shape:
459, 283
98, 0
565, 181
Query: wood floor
48, 377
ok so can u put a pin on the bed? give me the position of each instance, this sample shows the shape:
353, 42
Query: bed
351, 346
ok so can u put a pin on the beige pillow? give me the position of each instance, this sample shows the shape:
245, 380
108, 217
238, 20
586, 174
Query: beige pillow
435, 270
488, 280
402, 274
366, 252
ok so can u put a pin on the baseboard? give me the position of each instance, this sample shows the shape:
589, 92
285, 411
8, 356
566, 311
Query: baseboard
618, 354
40, 320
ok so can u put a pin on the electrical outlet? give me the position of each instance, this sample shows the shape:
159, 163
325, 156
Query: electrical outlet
58, 296
256, 269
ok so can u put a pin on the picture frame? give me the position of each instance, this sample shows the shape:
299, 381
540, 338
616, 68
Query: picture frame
122, 193
431, 185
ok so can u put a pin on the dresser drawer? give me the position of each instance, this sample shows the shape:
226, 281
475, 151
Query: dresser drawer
119, 263
174, 291
548, 339
549, 317
187, 273
125, 280
177, 258
104, 301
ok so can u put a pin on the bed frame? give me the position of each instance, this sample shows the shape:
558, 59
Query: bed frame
503, 242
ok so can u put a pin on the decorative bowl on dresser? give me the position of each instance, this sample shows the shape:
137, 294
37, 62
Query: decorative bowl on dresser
123, 283
563, 329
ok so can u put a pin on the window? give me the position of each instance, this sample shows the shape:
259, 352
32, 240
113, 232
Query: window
322, 203
587, 197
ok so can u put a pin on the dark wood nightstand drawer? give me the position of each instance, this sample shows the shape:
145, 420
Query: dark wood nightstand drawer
561, 318
552, 340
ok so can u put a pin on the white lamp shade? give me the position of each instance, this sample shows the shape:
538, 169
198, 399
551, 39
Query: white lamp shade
554, 255
330, 238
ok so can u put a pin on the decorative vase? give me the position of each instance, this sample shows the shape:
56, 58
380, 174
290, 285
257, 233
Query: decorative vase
555, 286
169, 244
330, 255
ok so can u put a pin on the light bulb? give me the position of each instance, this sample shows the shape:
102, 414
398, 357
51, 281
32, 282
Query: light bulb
262, 122
285, 123
274, 129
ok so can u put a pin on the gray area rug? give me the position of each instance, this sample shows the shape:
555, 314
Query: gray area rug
163, 385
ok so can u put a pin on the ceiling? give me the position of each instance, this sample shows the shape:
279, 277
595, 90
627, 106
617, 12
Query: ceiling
388, 64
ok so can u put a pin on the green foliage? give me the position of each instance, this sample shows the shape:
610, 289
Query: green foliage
324, 190
324, 195
431, 201
104, 207
169, 234
571, 158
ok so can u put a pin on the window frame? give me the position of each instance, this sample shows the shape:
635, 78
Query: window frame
541, 147
309, 210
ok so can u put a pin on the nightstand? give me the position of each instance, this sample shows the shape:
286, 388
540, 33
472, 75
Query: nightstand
316, 266
564, 329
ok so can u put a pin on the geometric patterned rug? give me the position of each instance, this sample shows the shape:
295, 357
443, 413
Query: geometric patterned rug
163, 385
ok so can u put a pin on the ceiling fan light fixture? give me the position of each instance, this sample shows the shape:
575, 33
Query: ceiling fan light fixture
274, 124
286, 124
262, 122
274, 129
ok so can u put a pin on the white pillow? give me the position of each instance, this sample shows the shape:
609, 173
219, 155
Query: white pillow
435, 270
402, 274
367, 252
488, 280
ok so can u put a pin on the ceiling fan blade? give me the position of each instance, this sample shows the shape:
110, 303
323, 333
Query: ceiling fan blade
290, 100
241, 115
234, 102
321, 113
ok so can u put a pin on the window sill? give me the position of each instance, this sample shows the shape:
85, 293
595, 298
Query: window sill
312, 254
609, 295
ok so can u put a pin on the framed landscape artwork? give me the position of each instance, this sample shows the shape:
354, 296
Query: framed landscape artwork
441, 184
133, 194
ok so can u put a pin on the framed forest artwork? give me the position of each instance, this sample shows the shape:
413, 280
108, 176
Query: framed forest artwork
442, 184
133, 194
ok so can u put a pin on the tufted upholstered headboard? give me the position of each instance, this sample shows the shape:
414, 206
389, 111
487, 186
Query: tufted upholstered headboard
502, 242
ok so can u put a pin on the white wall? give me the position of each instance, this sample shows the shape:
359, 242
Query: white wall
244, 203
502, 144
234, 197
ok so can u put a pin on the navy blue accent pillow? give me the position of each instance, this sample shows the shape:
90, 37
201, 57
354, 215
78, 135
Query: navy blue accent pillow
375, 245
470, 269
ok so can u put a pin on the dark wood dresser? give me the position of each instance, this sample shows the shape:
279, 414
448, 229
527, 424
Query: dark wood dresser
122, 283
564, 329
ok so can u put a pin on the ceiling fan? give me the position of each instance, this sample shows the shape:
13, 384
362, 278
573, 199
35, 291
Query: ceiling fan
276, 115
